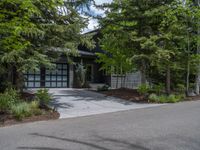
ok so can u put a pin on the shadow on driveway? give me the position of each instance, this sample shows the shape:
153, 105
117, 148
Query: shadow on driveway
85, 95
157, 143
114, 142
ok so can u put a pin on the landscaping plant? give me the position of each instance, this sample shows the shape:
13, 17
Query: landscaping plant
80, 73
43, 97
7, 99
103, 88
144, 89
21, 110
172, 98
35, 108
158, 88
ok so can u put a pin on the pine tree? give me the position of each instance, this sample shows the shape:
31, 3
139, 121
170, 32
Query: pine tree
32, 31
134, 22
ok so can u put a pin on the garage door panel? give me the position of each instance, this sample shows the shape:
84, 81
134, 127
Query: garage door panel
50, 78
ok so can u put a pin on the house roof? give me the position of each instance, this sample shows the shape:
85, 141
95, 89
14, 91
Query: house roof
86, 53
80, 52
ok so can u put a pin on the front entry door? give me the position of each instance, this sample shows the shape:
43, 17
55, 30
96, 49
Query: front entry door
89, 72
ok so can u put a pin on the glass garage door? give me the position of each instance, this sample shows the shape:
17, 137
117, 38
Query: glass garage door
32, 79
54, 78
57, 78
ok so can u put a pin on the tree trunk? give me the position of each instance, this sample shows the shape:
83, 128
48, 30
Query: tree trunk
10, 78
143, 73
198, 69
19, 83
197, 83
168, 80
188, 78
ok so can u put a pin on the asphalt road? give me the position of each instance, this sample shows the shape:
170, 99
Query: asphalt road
169, 127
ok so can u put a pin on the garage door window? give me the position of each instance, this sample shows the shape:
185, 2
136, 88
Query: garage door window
50, 78
57, 77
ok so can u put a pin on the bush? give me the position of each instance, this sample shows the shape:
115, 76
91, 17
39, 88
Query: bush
43, 97
21, 110
7, 99
153, 98
103, 88
143, 89
165, 99
162, 99
181, 96
158, 88
80, 75
172, 98
34, 106
181, 88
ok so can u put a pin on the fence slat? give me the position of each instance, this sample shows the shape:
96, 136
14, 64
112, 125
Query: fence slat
130, 80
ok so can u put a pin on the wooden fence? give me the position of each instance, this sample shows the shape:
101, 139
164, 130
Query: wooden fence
130, 80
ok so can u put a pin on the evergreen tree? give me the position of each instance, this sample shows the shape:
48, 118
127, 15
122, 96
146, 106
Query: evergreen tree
32, 31
137, 21
158, 36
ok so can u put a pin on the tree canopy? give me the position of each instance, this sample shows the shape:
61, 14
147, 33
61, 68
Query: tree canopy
32, 30
159, 37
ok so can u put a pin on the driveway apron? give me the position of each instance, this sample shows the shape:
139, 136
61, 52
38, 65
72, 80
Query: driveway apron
77, 102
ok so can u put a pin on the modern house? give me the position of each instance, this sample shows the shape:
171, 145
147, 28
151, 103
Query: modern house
63, 76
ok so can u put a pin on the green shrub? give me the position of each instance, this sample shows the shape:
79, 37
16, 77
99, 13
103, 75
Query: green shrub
14, 94
165, 99
162, 99
34, 106
181, 96
21, 110
158, 88
143, 89
172, 99
103, 88
7, 99
181, 88
153, 98
43, 97
5, 102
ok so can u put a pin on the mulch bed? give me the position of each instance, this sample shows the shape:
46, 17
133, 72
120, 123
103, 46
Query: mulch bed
133, 96
7, 120
127, 94
193, 98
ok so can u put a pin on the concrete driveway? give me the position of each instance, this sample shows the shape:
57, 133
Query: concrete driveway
77, 102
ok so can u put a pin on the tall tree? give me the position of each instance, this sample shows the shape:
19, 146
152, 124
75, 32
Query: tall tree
31, 31
138, 20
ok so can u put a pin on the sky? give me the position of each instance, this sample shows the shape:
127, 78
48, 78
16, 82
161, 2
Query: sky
94, 23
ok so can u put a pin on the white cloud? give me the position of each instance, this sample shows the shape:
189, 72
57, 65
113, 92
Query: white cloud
102, 1
93, 23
